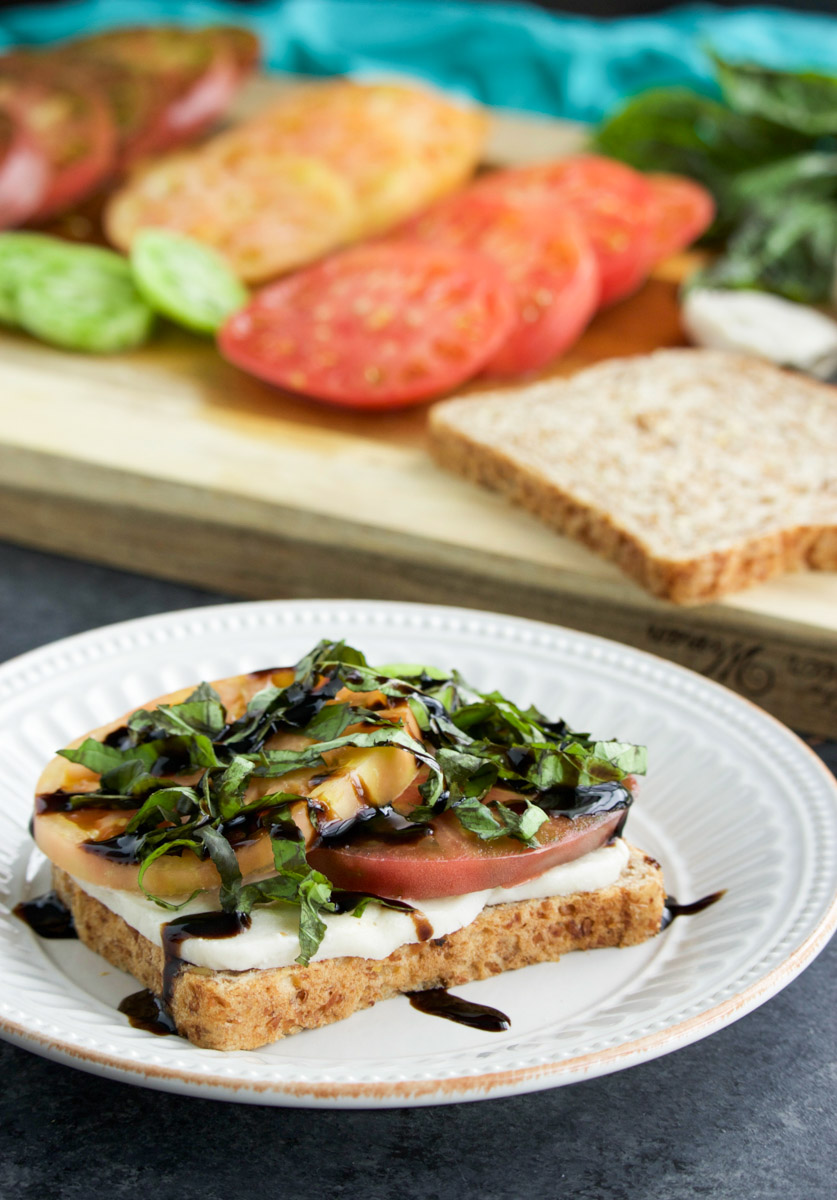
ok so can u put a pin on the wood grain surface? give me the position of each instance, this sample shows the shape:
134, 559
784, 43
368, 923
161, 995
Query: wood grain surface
170, 462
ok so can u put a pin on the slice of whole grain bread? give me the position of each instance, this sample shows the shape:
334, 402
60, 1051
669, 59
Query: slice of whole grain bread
241, 1010
698, 472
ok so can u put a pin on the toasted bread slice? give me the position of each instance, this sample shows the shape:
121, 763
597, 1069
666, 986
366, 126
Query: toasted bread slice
229, 1010
698, 472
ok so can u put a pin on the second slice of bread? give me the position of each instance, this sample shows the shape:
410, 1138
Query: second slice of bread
698, 472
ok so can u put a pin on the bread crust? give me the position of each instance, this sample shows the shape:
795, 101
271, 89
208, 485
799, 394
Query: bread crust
459, 440
242, 1010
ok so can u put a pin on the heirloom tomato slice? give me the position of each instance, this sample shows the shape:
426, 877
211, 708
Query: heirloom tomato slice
24, 172
375, 327
450, 860
613, 203
68, 120
263, 213
194, 73
398, 147
683, 210
547, 261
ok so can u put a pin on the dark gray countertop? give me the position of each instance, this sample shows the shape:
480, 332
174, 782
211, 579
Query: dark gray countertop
747, 1113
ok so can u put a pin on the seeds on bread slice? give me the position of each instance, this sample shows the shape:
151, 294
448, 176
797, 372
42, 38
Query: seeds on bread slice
698, 472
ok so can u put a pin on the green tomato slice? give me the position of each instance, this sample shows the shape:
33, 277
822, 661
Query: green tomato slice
185, 280
20, 255
84, 299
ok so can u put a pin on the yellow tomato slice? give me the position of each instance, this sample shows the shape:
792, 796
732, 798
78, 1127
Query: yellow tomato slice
399, 147
265, 213
354, 779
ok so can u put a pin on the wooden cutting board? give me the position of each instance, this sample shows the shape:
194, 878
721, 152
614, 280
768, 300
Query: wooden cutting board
169, 462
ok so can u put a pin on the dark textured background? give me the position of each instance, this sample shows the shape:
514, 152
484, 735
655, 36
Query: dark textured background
747, 1114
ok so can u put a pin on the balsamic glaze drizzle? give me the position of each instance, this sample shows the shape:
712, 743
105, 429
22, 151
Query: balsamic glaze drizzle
47, 915
215, 925
146, 1011
673, 909
346, 901
373, 826
438, 1002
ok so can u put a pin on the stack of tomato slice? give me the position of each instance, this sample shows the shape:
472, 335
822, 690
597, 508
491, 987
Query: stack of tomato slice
396, 324
73, 117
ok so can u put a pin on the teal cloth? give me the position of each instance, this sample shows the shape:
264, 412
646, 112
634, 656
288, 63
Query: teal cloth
507, 55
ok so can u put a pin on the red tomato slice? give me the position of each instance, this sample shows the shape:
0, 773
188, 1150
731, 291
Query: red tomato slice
612, 202
549, 264
69, 121
24, 172
683, 210
375, 327
451, 861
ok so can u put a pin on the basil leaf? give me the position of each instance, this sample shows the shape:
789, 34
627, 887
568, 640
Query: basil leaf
522, 826
411, 671
130, 779
273, 801
804, 101
356, 903
98, 757
102, 799
166, 804
314, 897
673, 129
296, 883
625, 757
204, 691
783, 246
476, 817
324, 655
263, 700
195, 723
275, 763
227, 793
192, 716
767, 155
223, 857
158, 852
809, 176
467, 775
331, 721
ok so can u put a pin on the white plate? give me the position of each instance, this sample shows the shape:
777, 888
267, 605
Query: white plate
733, 800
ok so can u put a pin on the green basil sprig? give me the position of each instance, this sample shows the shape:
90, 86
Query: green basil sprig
766, 151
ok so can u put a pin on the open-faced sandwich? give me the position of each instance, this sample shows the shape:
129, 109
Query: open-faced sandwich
277, 850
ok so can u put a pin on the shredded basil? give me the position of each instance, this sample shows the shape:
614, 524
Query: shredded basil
470, 743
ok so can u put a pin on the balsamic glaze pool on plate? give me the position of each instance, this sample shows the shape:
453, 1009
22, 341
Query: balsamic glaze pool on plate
47, 915
146, 1011
438, 1002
